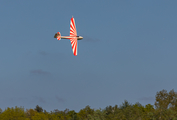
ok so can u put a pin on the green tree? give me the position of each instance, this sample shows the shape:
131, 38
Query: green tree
162, 100
30, 113
39, 116
13, 114
62, 115
166, 104
0, 110
97, 115
149, 112
137, 111
126, 110
73, 115
84, 113
38, 109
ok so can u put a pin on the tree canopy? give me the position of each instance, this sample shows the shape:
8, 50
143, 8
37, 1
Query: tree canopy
164, 108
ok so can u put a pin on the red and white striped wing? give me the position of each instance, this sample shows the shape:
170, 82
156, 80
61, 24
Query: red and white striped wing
74, 45
73, 31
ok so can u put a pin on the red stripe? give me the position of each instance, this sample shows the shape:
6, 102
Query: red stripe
72, 29
72, 20
75, 47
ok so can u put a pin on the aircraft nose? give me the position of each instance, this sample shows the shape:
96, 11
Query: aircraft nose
79, 37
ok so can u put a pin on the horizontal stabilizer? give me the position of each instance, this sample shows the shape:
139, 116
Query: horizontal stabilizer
57, 35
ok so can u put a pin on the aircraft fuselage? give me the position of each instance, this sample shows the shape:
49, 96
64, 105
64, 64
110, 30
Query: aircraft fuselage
69, 37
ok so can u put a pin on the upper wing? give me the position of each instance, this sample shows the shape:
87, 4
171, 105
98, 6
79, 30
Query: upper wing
74, 45
73, 31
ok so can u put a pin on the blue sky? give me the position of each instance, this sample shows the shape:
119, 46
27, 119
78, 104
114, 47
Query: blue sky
128, 53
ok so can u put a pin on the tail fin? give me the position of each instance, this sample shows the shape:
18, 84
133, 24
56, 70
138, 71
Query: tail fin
57, 35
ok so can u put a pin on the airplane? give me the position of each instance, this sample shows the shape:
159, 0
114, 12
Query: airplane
73, 36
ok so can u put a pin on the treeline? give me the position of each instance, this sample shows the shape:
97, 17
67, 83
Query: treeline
164, 108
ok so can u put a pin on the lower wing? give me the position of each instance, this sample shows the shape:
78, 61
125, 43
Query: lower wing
74, 45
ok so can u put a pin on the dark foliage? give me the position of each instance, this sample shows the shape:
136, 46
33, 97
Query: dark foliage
38, 109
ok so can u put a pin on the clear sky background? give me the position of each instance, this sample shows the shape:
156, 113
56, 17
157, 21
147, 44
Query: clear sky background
129, 52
